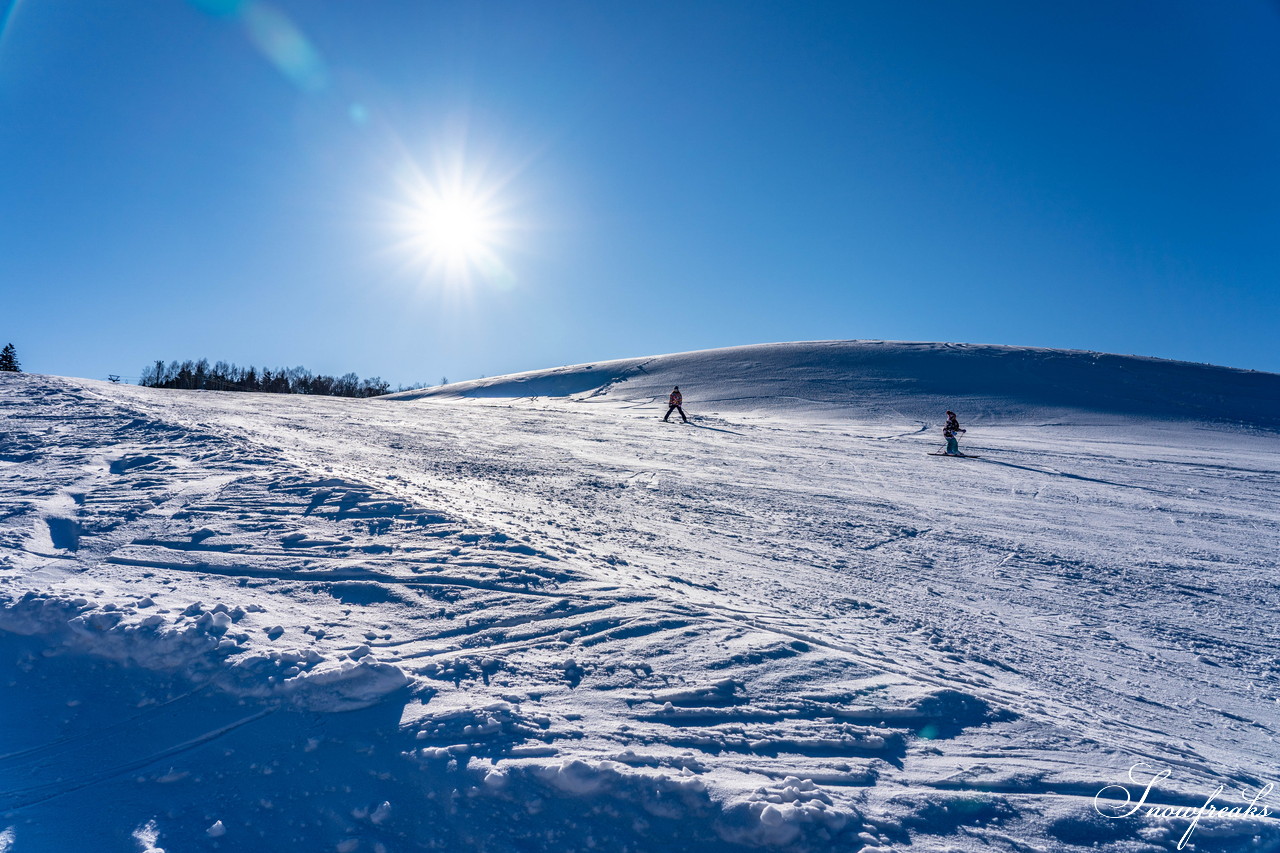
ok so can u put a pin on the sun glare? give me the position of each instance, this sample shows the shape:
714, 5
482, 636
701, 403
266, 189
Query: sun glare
452, 225
456, 230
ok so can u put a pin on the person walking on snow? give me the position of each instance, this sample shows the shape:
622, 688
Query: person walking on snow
950, 431
674, 405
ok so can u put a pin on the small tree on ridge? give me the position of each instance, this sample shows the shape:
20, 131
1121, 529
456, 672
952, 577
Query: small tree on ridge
9, 360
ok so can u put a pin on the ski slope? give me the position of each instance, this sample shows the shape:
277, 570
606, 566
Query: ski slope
523, 614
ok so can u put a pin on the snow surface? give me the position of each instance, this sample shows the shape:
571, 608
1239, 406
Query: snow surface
474, 618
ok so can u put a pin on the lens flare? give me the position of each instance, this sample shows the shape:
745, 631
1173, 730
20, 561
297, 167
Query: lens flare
6, 19
285, 46
276, 37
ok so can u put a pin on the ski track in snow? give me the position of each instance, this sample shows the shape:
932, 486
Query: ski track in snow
748, 631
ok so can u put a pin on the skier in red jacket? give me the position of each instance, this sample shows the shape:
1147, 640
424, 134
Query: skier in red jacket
674, 405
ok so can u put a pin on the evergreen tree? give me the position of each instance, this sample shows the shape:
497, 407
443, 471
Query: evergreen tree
9, 360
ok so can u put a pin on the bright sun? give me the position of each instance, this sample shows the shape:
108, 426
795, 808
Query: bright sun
452, 225
456, 231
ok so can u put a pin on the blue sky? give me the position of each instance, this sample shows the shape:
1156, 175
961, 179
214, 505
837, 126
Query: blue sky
278, 183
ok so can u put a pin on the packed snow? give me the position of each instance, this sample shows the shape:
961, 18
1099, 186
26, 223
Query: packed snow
523, 613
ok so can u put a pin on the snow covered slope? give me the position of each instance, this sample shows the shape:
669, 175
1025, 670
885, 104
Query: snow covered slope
525, 615
907, 382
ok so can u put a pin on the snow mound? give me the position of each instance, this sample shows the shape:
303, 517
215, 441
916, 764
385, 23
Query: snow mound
202, 643
904, 381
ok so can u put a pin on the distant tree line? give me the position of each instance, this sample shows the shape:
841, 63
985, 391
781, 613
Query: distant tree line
221, 376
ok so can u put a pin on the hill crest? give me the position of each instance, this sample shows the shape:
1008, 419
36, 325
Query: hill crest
897, 380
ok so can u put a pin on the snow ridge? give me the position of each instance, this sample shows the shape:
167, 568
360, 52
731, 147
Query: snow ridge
906, 381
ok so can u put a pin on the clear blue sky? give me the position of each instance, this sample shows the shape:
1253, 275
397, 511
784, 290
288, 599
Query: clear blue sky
246, 180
